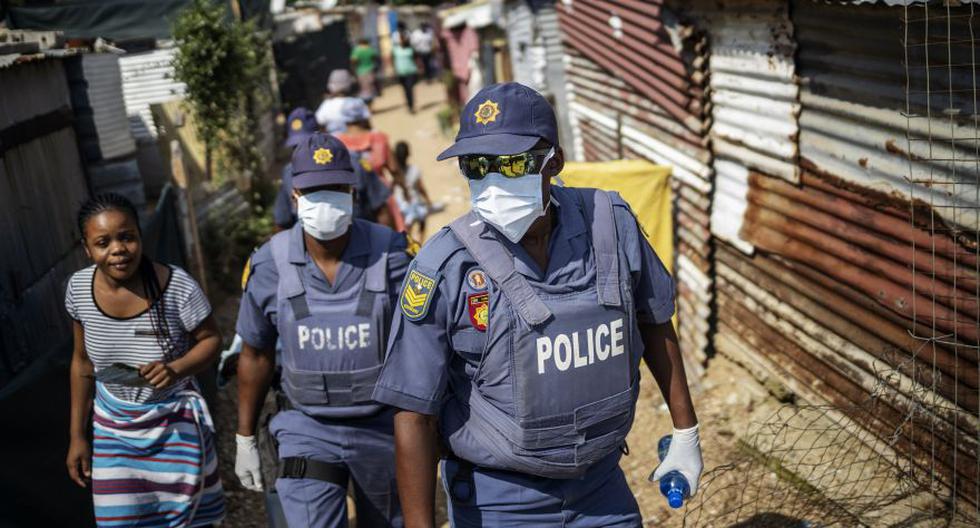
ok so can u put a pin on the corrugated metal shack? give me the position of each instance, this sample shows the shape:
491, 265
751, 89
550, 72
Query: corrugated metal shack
42, 183
826, 168
536, 54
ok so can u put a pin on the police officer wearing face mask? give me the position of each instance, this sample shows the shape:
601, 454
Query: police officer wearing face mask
327, 288
519, 335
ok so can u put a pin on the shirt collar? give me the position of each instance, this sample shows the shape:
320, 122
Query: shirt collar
358, 245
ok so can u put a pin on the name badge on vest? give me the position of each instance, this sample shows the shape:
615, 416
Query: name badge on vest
416, 295
479, 307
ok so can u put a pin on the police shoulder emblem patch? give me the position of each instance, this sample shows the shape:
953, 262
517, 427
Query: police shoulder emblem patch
477, 279
487, 112
479, 309
416, 294
322, 156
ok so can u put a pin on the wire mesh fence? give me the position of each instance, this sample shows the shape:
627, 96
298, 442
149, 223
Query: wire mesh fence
944, 173
908, 455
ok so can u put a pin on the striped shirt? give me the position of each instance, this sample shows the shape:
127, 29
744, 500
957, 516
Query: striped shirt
132, 340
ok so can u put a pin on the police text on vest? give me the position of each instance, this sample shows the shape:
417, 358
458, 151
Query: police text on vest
601, 343
348, 337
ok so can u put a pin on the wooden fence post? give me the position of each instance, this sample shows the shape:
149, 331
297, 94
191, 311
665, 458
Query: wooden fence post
188, 215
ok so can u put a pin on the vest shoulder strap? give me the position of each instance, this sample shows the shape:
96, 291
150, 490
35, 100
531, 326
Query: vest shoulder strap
376, 274
498, 264
290, 280
598, 208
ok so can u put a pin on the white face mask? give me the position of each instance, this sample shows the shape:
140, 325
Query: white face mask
510, 205
326, 215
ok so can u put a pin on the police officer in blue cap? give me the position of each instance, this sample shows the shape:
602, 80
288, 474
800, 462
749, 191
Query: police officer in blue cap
370, 193
519, 336
326, 288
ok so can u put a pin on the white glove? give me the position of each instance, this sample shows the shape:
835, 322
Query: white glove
247, 464
684, 455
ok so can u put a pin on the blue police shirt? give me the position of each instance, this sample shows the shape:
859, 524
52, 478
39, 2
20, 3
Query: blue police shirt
370, 195
424, 354
259, 305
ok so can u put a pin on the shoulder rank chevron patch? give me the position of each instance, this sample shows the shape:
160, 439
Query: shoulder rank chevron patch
416, 295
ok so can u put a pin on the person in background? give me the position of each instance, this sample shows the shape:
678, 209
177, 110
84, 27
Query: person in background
520, 336
422, 40
364, 61
406, 68
300, 125
411, 194
326, 289
372, 149
142, 331
329, 114
462, 42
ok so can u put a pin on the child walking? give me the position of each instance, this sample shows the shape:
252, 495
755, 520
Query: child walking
142, 330
411, 194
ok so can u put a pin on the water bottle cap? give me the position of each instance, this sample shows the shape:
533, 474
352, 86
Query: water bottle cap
675, 498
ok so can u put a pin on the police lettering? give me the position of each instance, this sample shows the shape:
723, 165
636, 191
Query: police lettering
349, 337
567, 351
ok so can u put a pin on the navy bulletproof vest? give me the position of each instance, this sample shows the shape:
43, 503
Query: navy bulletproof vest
561, 357
333, 345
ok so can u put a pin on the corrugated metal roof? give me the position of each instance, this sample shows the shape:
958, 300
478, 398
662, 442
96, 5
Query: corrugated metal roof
97, 98
148, 78
31, 89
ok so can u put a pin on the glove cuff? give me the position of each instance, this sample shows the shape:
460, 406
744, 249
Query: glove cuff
686, 436
245, 441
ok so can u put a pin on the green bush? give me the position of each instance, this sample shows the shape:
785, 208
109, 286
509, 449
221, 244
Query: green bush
225, 65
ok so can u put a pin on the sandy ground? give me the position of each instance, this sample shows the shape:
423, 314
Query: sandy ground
727, 399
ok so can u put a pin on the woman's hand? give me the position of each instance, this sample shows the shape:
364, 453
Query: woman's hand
79, 461
159, 374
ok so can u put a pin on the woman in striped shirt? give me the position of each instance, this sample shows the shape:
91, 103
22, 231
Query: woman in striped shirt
142, 330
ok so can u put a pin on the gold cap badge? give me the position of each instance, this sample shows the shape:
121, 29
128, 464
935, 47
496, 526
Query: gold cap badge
322, 156
296, 125
487, 112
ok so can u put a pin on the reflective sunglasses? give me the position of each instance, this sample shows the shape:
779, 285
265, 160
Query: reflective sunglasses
477, 166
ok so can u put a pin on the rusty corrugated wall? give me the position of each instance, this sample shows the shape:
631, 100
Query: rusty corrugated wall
826, 301
638, 89
826, 169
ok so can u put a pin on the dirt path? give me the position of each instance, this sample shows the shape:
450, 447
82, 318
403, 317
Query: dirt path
421, 132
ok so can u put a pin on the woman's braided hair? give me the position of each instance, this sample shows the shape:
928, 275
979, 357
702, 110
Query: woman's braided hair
101, 203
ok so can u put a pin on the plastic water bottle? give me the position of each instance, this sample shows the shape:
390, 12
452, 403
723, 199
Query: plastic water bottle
673, 485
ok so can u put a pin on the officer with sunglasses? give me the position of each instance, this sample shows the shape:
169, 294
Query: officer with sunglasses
515, 350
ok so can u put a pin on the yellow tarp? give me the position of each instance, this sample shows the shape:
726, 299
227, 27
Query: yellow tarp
645, 186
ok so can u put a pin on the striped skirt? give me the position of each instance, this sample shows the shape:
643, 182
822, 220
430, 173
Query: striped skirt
154, 464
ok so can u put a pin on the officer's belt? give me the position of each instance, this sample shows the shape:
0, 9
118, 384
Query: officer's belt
300, 468
284, 404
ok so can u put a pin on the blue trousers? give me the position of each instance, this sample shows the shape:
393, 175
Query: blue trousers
365, 446
600, 499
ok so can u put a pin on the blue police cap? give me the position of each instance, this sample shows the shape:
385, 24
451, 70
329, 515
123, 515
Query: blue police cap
505, 118
321, 160
299, 125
